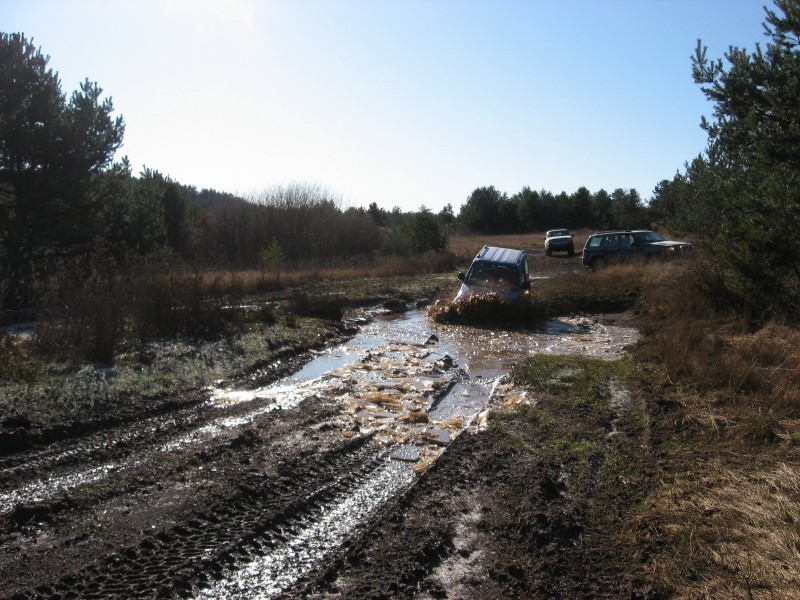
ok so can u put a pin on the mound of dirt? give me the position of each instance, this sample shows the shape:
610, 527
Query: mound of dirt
490, 310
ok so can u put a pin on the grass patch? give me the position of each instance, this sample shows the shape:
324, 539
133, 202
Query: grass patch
579, 467
576, 408
577, 378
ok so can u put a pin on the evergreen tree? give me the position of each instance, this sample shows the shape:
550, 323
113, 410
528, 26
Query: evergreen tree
51, 150
446, 215
481, 211
426, 232
754, 152
582, 208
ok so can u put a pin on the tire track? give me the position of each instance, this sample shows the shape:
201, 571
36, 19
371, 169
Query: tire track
266, 513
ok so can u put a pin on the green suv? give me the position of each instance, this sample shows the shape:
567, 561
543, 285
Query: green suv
622, 246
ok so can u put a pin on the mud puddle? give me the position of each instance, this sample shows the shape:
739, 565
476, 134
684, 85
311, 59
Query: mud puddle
382, 407
412, 386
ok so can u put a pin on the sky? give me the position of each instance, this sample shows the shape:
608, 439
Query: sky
405, 103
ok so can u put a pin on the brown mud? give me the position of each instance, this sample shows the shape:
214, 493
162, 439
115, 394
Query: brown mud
372, 481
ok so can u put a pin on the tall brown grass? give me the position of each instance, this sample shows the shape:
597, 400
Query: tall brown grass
89, 308
82, 314
253, 281
725, 523
716, 355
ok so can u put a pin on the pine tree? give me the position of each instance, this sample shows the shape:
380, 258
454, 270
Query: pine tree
754, 150
50, 149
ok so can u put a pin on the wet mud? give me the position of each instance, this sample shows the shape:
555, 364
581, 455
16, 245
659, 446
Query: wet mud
367, 472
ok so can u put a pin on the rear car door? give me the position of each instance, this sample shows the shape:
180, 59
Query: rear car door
627, 247
611, 246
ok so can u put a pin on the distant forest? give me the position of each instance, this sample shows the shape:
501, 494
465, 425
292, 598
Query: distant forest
62, 197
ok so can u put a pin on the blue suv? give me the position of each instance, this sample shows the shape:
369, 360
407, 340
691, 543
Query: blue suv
500, 271
623, 246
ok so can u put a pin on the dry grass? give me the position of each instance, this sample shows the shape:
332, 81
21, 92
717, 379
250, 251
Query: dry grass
753, 377
247, 282
730, 531
465, 247
724, 522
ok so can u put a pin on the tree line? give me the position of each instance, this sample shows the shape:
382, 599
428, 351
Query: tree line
487, 210
62, 196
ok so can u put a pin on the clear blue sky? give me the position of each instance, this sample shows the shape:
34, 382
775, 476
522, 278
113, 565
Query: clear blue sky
403, 103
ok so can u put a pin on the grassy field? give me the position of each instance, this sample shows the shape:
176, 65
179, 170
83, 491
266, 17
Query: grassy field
465, 247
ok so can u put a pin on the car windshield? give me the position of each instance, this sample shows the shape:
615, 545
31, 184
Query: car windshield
649, 236
495, 277
557, 233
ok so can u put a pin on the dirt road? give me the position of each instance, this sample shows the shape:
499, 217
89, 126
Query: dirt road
406, 462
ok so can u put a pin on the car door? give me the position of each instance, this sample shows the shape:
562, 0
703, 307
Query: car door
627, 247
611, 246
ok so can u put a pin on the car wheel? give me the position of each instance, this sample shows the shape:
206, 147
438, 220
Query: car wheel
548, 252
598, 264
571, 252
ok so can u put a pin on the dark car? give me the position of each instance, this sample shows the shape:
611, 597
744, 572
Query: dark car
500, 271
558, 240
621, 246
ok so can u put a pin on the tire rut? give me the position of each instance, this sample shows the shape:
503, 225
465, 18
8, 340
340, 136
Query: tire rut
264, 512
115, 441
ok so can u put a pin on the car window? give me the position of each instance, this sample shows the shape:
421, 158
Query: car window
649, 236
499, 277
595, 241
611, 242
626, 240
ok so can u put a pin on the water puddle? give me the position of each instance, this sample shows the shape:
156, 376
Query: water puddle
414, 386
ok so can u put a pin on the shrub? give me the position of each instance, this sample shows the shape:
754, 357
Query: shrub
169, 303
83, 316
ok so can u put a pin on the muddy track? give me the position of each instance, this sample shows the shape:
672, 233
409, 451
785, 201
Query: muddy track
243, 492
21, 444
117, 439
490, 520
125, 469
231, 499
169, 505
107, 444
262, 510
